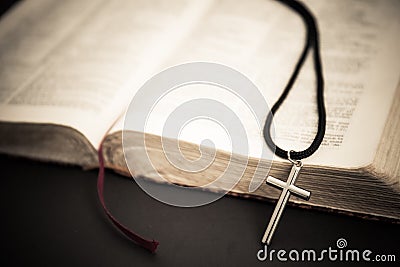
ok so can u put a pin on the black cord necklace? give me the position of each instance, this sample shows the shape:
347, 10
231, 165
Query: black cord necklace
288, 187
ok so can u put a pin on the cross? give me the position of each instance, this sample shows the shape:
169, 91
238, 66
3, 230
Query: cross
288, 187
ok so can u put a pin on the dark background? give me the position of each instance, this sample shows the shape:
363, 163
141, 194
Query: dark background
51, 216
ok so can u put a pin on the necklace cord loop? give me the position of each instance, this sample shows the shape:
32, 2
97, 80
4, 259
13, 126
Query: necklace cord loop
312, 42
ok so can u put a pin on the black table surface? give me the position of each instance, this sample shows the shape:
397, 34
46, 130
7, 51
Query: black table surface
51, 216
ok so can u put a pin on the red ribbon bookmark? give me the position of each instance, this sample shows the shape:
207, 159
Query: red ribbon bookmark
150, 245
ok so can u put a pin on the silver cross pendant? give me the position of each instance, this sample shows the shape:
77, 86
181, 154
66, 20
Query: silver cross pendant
288, 188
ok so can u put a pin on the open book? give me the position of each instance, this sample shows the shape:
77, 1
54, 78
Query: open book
70, 68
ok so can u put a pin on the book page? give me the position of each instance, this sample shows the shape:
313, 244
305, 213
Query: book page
76, 63
79, 63
359, 47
